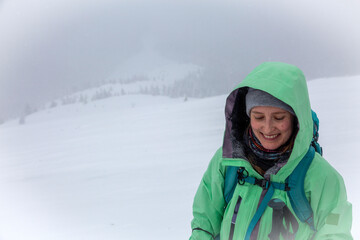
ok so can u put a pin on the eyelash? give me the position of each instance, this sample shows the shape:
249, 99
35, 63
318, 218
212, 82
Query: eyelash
258, 118
278, 119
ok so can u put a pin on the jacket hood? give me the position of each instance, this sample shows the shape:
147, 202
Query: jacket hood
285, 82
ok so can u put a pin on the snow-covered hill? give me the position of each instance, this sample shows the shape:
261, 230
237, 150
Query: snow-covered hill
146, 73
127, 167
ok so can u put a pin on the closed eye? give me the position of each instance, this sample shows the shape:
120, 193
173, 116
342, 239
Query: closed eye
259, 118
279, 118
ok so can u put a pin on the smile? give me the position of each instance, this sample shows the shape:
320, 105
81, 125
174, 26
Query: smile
270, 136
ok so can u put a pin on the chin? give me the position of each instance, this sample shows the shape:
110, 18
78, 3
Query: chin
271, 146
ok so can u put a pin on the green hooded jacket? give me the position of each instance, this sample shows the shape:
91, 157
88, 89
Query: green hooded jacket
324, 187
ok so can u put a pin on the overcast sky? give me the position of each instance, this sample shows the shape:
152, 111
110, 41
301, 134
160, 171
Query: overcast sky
50, 47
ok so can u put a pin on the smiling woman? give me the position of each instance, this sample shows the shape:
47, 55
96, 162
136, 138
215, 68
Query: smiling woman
269, 143
271, 120
270, 135
272, 126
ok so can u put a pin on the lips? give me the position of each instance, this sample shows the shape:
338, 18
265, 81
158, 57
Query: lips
270, 137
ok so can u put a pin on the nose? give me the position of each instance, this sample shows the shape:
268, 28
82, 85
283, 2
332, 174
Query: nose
268, 126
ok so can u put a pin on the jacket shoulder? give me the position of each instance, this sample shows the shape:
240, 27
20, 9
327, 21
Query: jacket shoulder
324, 184
322, 169
216, 162
328, 199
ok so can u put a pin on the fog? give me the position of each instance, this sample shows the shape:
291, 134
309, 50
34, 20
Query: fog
50, 48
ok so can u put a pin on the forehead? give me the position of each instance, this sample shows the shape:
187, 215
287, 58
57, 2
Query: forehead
268, 110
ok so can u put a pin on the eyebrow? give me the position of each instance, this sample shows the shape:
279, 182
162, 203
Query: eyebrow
272, 113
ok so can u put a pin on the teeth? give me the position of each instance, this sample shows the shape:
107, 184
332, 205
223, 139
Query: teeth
270, 136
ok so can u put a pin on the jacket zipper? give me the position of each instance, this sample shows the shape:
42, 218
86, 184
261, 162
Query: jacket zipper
233, 220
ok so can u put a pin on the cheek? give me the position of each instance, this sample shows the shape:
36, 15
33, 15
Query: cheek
254, 125
286, 127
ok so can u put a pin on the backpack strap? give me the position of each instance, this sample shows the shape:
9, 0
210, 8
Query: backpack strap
231, 176
243, 176
296, 193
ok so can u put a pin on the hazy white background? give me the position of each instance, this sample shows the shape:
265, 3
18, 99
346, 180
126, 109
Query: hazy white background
102, 168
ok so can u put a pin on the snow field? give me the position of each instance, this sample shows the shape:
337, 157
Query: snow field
128, 167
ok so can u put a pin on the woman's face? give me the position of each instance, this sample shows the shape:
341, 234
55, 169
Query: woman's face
271, 125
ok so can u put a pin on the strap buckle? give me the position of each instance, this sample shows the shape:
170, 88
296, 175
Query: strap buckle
262, 183
242, 175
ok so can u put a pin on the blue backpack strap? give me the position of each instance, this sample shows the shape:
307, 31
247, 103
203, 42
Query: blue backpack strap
296, 193
243, 177
231, 179
229, 185
230, 182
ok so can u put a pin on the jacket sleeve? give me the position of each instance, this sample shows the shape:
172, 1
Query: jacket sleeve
332, 211
208, 206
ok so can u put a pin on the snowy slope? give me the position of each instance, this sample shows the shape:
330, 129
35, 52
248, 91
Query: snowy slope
147, 72
128, 167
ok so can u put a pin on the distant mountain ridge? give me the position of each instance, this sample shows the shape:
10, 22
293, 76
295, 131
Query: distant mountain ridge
146, 73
